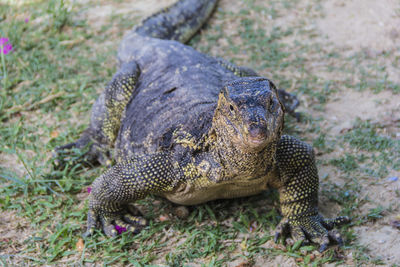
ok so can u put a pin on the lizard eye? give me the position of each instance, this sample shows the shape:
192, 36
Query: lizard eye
231, 108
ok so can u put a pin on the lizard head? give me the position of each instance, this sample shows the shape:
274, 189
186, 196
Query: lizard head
249, 113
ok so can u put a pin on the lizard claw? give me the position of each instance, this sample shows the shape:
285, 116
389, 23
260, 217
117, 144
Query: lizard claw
84, 150
282, 230
312, 228
112, 224
92, 224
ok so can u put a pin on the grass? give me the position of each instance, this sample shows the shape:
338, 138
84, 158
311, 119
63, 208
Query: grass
59, 65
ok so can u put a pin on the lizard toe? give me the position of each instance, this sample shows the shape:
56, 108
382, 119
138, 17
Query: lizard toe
109, 230
298, 234
122, 226
131, 209
282, 230
135, 220
336, 237
329, 224
92, 222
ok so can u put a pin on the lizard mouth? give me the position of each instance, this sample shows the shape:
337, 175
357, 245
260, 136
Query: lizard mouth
256, 142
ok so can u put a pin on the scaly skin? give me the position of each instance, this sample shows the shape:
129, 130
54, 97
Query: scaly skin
289, 101
193, 128
178, 22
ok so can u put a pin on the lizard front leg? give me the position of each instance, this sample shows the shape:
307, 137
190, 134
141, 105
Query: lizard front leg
299, 196
127, 181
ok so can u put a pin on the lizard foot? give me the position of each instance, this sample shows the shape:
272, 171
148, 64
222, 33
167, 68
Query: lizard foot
290, 103
84, 150
128, 219
312, 228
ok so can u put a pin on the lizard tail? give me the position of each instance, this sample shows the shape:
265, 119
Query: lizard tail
179, 21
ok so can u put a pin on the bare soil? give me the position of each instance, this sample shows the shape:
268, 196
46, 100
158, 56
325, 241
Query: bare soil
346, 107
372, 26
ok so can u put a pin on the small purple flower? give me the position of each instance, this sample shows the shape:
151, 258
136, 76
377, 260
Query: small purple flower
5, 46
120, 229
3, 40
89, 189
26, 20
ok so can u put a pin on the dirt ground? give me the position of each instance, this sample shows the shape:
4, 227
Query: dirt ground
374, 26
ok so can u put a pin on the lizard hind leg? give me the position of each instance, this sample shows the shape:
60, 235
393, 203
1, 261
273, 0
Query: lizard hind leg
83, 150
109, 108
105, 121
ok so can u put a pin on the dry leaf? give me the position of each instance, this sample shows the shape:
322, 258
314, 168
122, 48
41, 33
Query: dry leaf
80, 245
163, 218
244, 264
243, 245
54, 134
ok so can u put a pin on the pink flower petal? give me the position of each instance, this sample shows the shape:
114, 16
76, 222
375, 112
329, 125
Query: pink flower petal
3, 40
89, 189
7, 49
5, 46
26, 20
